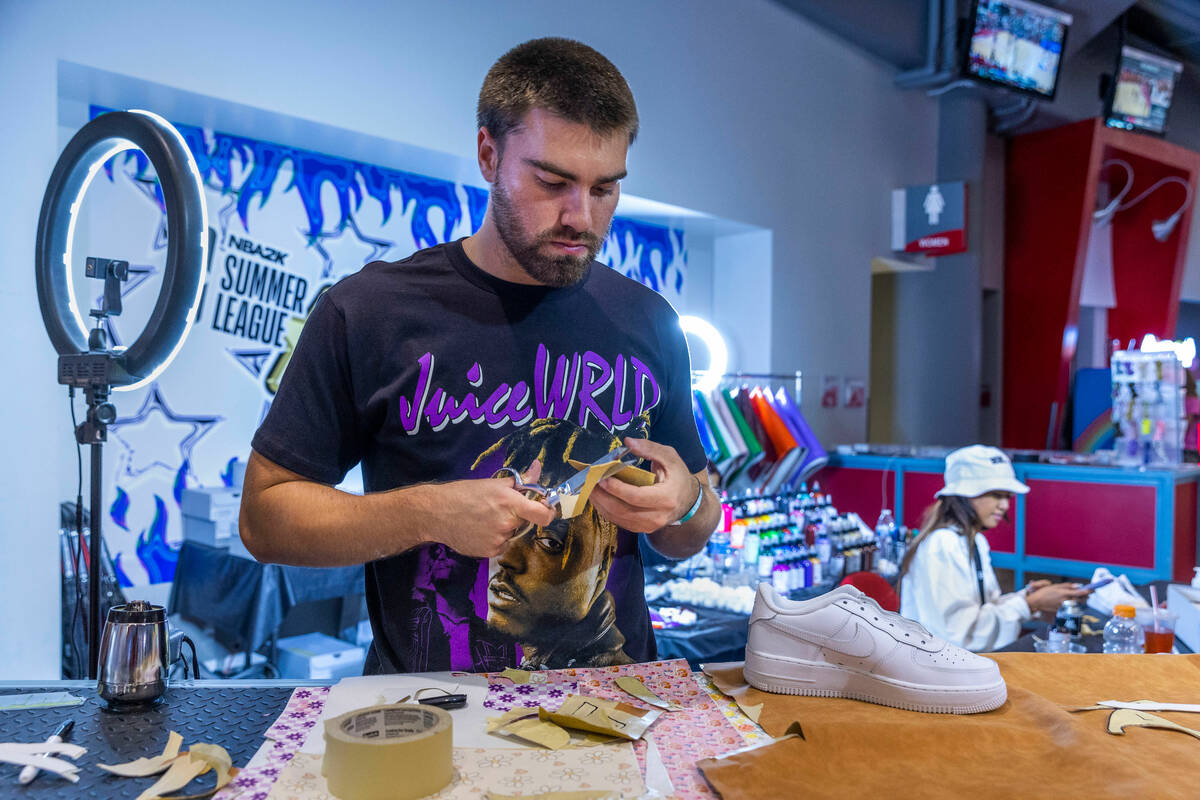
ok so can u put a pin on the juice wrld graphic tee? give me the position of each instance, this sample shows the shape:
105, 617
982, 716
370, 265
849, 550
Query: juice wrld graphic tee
429, 369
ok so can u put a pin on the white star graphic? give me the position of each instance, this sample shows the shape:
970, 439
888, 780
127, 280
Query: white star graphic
156, 436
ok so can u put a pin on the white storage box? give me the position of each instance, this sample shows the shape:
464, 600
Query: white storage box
216, 503
206, 531
316, 656
1185, 601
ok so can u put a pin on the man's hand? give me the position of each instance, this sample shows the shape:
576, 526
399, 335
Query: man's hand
478, 517
644, 509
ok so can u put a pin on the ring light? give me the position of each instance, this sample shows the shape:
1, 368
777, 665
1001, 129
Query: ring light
84, 360
718, 354
187, 241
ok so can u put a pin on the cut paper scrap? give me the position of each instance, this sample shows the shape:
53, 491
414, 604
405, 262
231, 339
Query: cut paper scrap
190, 765
521, 676
630, 474
179, 774
635, 687
42, 755
573, 504
538, 731
142, 767
15, 702
1150, 705
1122, 718
599, 715
525, 724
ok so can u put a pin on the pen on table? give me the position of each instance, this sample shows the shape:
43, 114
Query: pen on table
30, 772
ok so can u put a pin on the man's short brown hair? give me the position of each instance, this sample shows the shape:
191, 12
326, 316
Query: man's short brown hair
562, 76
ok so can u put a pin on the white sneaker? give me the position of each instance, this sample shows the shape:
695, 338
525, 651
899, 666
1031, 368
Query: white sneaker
842, 644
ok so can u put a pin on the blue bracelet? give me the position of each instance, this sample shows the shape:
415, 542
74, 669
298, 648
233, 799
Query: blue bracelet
691, 512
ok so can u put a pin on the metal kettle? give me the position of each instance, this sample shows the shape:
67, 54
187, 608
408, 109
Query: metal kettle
135, 656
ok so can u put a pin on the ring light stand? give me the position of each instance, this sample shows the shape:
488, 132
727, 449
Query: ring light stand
84, 359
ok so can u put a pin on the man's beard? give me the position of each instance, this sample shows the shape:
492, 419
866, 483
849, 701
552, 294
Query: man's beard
559, 271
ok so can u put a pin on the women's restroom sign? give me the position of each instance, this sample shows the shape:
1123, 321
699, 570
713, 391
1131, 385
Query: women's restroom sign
930, 219
830, 386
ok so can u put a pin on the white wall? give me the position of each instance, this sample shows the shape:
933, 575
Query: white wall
748, 113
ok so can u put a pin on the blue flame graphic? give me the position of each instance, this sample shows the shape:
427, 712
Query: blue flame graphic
180, 482
122, 579
158, 557
215, 154
120, 508
649, 238
227, 475
476, 206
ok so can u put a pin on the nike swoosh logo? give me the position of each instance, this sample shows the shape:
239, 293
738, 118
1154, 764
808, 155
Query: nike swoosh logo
856, 645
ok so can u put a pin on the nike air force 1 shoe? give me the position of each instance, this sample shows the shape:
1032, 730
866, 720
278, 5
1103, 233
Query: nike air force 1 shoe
842, 644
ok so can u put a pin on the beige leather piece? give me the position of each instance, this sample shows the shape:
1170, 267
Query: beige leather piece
573, 505
547, 734
141, 767
635, 687
1122, 718
599, 715
178, 775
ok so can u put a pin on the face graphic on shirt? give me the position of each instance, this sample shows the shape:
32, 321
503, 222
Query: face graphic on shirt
550, 577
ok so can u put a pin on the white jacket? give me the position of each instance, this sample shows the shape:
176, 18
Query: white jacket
940, 591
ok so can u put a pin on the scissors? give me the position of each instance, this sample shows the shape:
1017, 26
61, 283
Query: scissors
553, 495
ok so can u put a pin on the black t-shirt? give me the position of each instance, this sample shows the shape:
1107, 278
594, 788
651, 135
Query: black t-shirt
429, 369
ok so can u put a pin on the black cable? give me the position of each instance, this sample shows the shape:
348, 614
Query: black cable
76, 550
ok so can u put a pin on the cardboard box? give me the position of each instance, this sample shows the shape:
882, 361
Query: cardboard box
1185, 601
216, 503
206, 531
315, 656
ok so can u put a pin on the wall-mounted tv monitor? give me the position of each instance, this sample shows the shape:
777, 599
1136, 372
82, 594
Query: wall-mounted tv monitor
1017, 44
1141, 92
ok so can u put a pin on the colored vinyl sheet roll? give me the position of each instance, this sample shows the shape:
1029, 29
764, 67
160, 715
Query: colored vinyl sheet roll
396, 752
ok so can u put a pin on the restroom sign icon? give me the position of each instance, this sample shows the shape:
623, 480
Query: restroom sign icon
930, 219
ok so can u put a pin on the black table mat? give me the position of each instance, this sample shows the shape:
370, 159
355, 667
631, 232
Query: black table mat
234, 718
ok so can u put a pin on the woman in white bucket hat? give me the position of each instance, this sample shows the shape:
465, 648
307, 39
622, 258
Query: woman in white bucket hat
946, 578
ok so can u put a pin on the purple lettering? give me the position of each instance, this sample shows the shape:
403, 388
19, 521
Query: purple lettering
410, 412
620, 417
641, 374
436, 412
593, 385
555, 398
493, 415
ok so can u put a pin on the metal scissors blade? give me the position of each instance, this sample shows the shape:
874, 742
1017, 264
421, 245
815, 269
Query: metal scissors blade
553, 496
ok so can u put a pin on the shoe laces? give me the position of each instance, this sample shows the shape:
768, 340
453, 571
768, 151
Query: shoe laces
909, 627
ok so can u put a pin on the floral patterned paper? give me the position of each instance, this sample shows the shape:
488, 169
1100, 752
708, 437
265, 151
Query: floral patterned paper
504, 695
284, 738
516, 772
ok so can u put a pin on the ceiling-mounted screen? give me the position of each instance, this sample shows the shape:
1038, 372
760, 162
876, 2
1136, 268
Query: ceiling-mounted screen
1142, 91
1017, 44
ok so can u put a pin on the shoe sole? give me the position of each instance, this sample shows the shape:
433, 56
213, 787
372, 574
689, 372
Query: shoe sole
832, 681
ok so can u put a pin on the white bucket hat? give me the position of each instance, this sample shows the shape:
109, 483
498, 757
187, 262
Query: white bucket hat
977, 470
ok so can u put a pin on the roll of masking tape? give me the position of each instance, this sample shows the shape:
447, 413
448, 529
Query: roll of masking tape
397, 752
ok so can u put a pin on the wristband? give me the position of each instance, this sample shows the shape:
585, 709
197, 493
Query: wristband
691, 512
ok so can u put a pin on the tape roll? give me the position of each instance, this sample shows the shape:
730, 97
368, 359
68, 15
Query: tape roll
396, 752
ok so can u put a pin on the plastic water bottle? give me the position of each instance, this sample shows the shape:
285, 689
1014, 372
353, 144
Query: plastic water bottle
885, 539
1121, 632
